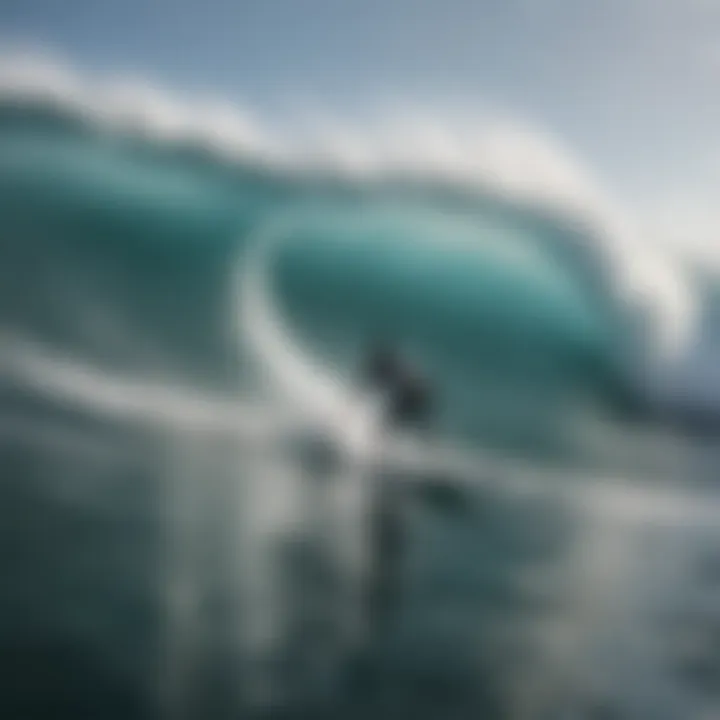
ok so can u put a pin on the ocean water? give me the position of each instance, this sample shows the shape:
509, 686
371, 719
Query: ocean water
182, 321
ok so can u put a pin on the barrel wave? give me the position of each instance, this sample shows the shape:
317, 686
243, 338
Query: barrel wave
186, 299
523, 299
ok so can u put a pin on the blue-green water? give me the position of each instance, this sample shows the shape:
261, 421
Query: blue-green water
157, 561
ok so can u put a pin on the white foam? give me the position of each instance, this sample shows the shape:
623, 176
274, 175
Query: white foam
86, 387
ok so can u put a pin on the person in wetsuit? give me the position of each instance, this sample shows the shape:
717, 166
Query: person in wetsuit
407, 399
405, 389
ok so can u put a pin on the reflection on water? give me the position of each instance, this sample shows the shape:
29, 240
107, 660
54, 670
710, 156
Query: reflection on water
193, 574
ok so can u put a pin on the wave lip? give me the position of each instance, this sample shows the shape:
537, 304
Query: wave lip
326, 400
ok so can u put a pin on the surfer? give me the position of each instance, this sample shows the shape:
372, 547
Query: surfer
406, 397
405, 391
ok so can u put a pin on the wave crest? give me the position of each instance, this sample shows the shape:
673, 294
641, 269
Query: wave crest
491, 157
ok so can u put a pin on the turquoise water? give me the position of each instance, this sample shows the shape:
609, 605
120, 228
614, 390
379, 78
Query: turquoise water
165, 562
484, 289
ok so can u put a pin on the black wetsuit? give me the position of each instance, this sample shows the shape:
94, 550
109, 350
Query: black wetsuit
406, 391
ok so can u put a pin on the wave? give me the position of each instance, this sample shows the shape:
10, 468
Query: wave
485, 240
184, 289
499, 158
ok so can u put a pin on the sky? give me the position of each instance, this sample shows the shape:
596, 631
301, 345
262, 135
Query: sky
631, 86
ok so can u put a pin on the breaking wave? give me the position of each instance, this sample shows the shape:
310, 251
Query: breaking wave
182, 282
